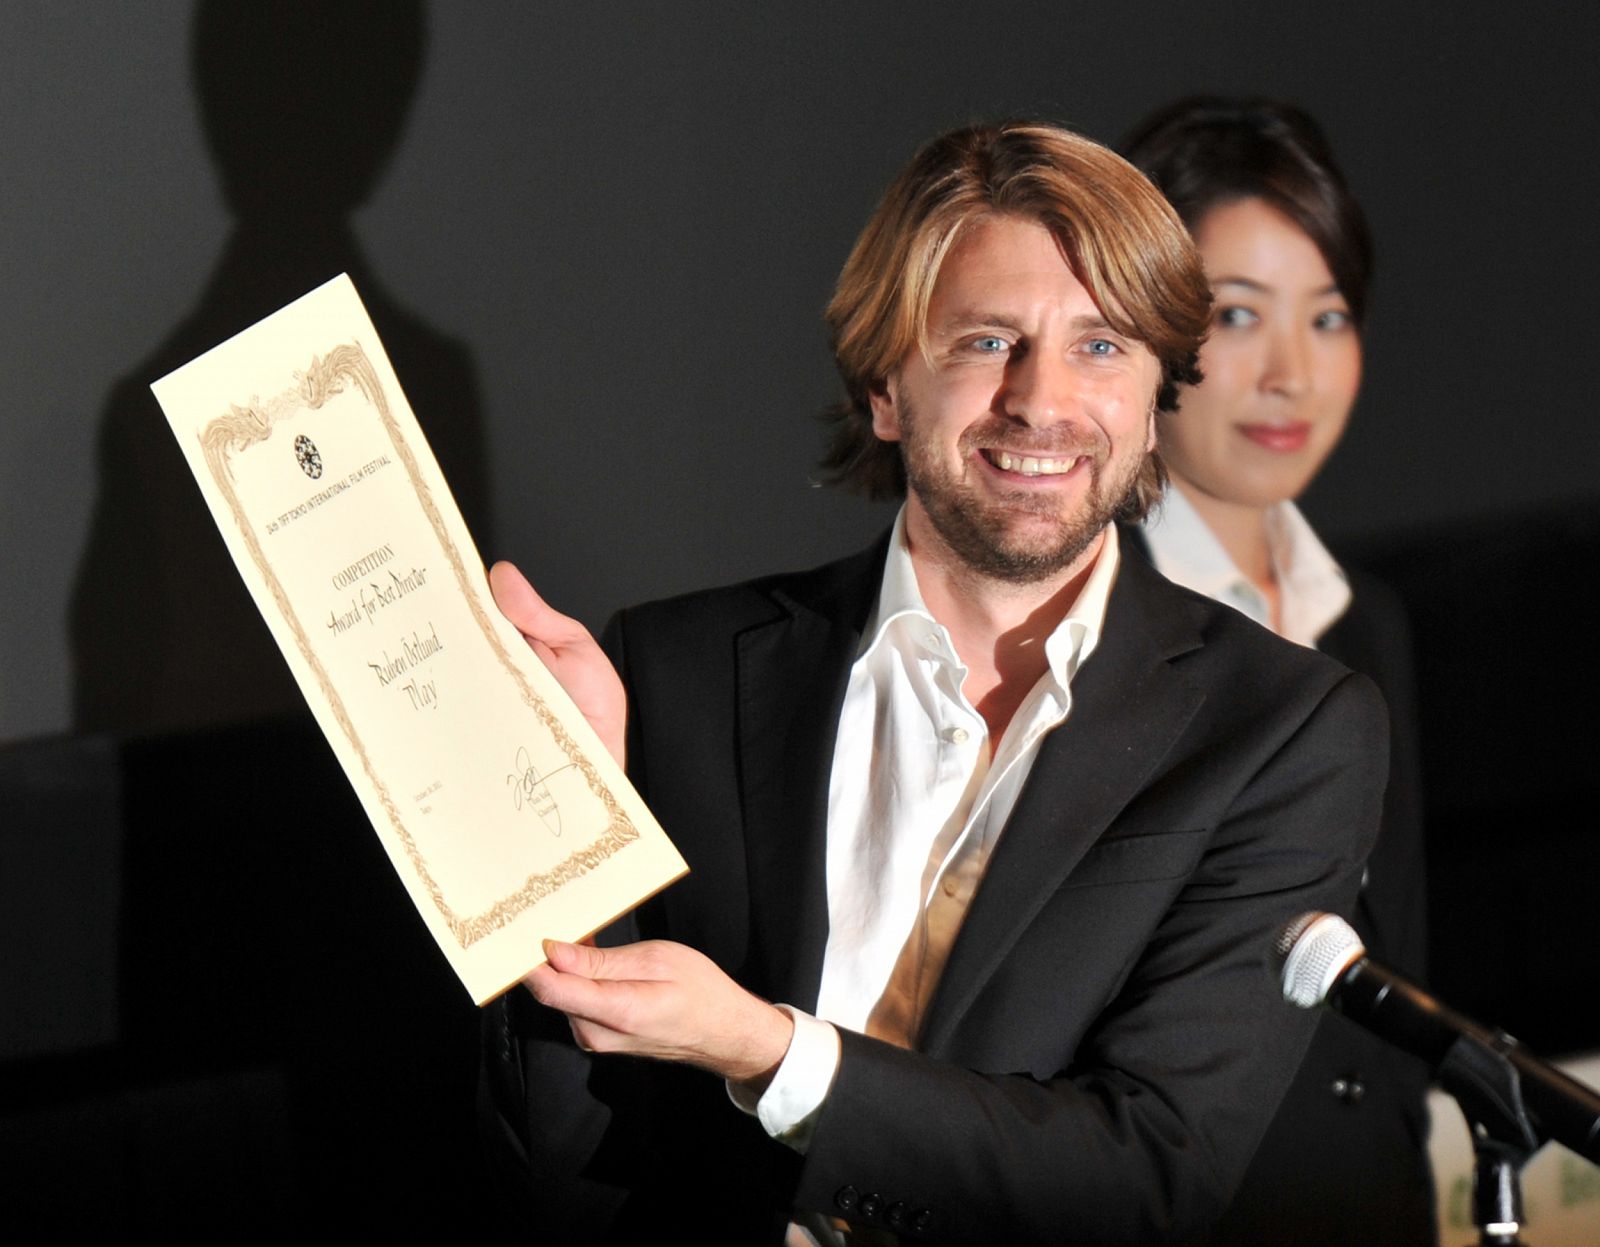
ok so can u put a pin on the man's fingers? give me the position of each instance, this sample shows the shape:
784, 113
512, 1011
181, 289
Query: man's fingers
642, 962
664, 1000
603, 1005
607, 986
521, 604
576, 977
571, 994
512, 593
585, 959
569, 653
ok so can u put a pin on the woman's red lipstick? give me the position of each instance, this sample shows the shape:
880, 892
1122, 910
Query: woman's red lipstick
1283, 438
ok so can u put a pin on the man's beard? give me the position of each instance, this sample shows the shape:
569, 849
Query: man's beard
976, 528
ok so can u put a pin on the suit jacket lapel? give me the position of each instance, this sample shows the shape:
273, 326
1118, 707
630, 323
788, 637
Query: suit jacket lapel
792, 675
1128, 706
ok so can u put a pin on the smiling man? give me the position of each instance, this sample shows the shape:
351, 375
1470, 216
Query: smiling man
1004, 822
1024, 423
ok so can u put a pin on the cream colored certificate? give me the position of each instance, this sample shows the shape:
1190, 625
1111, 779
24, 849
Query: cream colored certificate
504, 815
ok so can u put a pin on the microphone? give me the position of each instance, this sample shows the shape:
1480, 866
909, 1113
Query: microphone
1323, 961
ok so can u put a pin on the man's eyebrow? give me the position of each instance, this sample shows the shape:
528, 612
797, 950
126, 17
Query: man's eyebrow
973, 318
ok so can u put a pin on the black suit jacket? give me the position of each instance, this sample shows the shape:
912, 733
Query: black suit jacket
1346, 1158
1106, 1044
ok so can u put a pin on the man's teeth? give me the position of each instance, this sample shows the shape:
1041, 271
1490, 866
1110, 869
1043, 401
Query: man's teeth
1028, 465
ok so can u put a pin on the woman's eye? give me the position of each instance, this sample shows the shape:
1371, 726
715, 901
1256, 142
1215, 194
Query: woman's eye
1235, 317
1333, 320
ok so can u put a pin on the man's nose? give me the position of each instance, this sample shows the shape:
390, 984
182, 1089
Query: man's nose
1040, 388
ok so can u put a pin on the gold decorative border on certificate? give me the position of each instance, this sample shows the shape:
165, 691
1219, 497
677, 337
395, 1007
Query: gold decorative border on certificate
247, 426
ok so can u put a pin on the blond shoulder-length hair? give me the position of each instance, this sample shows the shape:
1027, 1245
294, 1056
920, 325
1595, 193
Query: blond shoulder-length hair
1124, 244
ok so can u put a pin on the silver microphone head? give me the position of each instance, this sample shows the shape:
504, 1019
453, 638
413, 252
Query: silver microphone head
1314, 950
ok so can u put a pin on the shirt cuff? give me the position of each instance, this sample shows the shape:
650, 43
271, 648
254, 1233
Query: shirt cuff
788, 1109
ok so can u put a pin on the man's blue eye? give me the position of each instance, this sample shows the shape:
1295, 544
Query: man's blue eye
1101, 346
990, 344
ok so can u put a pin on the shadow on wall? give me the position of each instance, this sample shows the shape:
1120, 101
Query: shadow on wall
302, 108
223, 1014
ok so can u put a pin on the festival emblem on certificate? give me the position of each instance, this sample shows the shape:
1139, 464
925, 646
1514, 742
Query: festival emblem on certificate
503, 814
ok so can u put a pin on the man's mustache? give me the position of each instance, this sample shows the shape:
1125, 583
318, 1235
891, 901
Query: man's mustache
1057, 441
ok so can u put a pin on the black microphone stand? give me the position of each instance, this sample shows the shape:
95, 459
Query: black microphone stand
1492, 1077
1488, 1087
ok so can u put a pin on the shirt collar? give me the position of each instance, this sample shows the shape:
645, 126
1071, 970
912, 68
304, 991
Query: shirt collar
1066, 649
1312, 588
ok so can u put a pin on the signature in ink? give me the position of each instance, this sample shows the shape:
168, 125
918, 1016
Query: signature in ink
532, 790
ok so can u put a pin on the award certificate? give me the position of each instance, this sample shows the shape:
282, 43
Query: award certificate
505, 817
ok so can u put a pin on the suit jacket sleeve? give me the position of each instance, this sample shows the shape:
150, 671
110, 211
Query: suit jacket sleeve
1142, 1135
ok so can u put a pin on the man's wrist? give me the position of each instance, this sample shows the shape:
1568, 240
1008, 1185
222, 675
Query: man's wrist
797, 1089
768, 1045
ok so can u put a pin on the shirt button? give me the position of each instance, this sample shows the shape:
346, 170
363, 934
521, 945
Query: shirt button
958, 735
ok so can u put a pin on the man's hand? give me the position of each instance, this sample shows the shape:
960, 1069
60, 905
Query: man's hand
663, 1000
576, 660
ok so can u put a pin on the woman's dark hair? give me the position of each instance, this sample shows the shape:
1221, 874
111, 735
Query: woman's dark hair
1206, 151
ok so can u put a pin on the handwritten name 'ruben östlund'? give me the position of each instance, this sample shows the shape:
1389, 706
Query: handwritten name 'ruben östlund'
414, 651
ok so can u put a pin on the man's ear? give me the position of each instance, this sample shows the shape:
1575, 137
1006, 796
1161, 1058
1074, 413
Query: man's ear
885, 409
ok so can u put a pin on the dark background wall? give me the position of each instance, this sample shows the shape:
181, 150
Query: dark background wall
597, 250
631, 214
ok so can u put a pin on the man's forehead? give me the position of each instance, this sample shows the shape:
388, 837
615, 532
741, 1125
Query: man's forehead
996, 249
999, 265
993, 235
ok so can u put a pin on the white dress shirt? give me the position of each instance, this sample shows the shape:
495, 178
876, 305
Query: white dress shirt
1312, 589
916, 804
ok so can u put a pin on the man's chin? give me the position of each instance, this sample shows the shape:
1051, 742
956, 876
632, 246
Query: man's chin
1034, 567
1026, 536
1013, 557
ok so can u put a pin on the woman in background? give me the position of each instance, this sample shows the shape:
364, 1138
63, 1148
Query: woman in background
1288, 254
